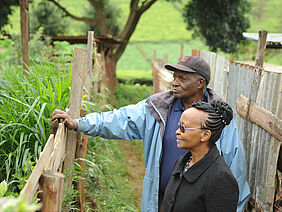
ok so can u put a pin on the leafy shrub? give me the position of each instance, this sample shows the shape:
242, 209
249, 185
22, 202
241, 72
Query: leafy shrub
48, 16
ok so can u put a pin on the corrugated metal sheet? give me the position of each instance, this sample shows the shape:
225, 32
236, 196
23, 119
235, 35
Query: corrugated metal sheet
261, 148
263, 160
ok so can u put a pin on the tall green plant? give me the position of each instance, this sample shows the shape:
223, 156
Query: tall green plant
26, 104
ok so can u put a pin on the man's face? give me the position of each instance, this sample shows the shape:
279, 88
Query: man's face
185, 85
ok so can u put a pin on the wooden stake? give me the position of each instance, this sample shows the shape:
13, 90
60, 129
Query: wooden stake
79, 68
261, 48
53, 186
195, 52
181, 50
89, 72
24, 32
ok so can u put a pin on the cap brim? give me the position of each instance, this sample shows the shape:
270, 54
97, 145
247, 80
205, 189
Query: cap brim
179, 67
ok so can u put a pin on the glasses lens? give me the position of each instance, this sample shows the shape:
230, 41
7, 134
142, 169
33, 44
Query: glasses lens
181, 127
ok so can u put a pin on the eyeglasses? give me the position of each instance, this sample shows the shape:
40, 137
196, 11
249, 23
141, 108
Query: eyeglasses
182, 128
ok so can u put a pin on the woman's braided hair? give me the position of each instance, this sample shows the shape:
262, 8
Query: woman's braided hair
219, 113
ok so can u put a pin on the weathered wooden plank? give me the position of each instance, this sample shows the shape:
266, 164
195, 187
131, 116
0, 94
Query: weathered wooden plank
259, 116
53, 186
79, 67
58, 153
30, 187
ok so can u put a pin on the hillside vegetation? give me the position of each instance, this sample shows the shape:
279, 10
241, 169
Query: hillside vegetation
162, 28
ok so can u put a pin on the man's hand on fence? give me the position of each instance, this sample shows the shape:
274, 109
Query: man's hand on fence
70, 123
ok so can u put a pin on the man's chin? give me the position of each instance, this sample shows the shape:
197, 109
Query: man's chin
176, 95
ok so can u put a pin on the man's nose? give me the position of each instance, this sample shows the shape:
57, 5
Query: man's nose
175, 81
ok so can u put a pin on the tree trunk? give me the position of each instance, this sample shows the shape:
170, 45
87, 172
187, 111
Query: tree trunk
109, 78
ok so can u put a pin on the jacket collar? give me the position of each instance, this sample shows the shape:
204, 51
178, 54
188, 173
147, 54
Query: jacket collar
198, 168
160, 104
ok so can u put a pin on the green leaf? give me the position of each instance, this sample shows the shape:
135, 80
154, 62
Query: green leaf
3, 188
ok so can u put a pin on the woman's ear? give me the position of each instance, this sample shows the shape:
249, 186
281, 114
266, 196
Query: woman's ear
205, 137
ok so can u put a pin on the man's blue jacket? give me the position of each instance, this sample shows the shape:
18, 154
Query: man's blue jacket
147, 121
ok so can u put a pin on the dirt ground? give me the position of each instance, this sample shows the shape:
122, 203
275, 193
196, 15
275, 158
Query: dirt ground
135, 168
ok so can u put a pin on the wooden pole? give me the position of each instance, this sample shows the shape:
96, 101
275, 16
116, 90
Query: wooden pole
261, 48
82, 143
181, 50
53, 186
156, 76
89, 72
24, 32
78, 75
195, 52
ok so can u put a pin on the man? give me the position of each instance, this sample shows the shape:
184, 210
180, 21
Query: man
155, 121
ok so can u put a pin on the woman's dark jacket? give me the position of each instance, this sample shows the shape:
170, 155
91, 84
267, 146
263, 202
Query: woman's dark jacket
207, 186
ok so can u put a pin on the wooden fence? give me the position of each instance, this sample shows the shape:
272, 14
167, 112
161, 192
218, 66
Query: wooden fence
63, 146
255, 95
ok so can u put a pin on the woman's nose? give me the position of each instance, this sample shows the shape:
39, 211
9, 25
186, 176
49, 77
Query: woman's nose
177, 132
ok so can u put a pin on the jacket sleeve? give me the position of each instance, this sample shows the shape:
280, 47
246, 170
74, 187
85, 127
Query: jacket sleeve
222, 193
232, 151
126, 123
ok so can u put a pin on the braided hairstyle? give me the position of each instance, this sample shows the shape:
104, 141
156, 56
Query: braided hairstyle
219, 113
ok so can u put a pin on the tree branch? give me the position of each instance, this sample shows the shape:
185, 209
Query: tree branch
145, 6
84, 19
131, 24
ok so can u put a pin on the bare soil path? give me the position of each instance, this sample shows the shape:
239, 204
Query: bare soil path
135, 167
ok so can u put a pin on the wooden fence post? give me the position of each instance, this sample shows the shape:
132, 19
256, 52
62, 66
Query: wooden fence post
78, 75
181, 51
156, 76
53, 186
195, 52
261, 48
82, 143
89, 72
24, 32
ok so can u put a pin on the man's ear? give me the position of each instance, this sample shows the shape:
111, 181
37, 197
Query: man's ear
201, 83
205, 137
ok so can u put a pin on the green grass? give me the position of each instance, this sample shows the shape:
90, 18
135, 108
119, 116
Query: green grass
26, 104
107, 178
171, 49
162, 22
271, 16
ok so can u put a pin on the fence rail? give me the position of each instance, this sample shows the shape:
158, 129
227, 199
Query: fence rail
260, 91
50, 160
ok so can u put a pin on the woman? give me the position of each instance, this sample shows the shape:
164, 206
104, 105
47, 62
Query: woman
201, 180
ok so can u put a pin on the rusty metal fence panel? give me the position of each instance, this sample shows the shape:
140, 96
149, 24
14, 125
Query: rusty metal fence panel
264, 154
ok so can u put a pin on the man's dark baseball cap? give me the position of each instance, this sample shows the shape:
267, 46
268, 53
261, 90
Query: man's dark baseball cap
192, 64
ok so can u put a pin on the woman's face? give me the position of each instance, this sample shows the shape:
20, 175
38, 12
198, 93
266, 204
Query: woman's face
191, 139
